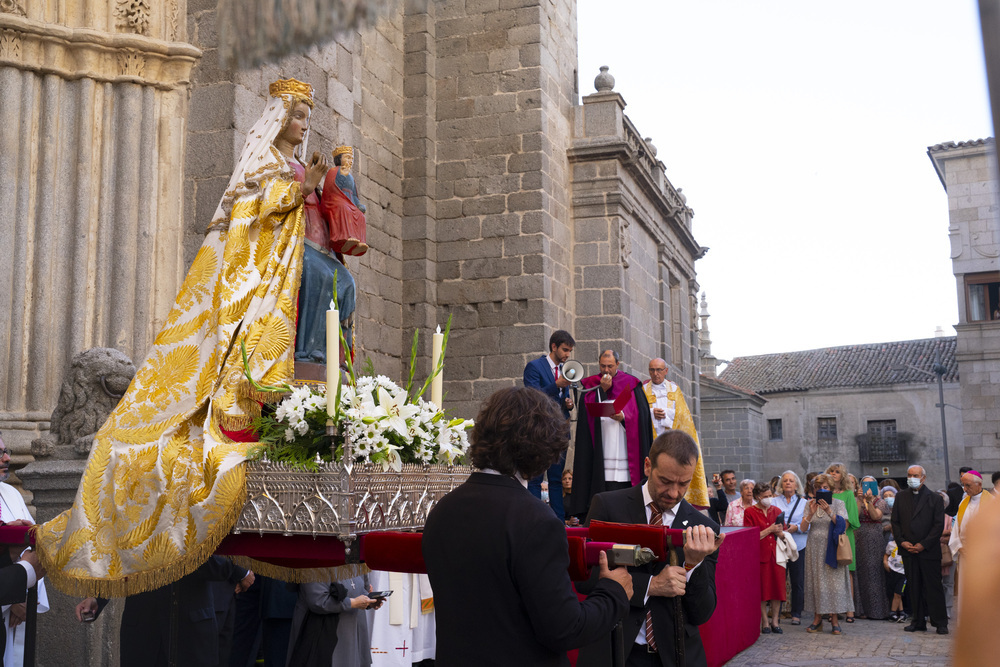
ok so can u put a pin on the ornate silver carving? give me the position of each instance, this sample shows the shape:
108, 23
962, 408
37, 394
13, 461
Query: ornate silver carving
133, 16
11, 7
344, 504
10, 45
131, 63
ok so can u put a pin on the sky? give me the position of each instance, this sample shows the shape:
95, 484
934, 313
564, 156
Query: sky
799, 133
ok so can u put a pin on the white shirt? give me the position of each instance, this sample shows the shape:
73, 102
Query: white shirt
552, 366
667, 519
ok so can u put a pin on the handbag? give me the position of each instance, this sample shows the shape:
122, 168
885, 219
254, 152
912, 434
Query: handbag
844, 556
946, 558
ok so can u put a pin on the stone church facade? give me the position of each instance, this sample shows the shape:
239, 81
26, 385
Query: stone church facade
974, 231
495, 194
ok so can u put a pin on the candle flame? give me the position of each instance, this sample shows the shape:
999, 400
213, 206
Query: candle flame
439, 329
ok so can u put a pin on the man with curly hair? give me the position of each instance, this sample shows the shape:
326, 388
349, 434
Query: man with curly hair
497, 557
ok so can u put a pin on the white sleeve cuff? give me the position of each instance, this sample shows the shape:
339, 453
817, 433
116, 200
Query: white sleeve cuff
32, 579
687, 575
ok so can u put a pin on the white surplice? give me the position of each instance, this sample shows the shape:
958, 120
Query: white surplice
12, 507
402, 632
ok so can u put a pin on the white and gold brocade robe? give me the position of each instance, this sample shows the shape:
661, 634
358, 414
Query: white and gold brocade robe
680, 418
164, 484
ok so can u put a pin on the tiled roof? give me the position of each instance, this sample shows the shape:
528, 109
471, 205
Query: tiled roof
845, 366
949, 145
729, 385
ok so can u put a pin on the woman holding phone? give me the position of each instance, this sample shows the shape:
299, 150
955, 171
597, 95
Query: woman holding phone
765, 516
869, 548
828, 585
843, 489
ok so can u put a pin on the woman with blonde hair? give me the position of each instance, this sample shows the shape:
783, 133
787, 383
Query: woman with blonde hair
843, 491
827, 584
734, 513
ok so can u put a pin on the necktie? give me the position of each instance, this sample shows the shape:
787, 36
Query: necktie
655, 519
557, 372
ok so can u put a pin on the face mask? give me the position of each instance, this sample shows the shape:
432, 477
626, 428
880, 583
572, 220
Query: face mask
890, 500
913, 482
765, 503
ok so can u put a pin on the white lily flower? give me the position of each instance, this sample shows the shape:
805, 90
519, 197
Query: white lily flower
395, 461
397, 410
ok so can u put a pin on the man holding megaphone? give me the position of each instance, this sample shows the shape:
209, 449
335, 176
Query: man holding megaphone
545, 374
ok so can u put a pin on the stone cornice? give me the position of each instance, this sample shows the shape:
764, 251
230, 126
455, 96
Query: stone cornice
672, 208
77, 53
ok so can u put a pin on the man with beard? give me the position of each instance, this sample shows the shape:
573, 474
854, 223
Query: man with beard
545, 375
667, 601
610, 451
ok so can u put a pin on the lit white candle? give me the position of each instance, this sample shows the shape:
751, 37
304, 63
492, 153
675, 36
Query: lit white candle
332, 360
437, 341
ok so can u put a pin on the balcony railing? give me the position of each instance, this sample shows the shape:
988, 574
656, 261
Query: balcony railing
876, 449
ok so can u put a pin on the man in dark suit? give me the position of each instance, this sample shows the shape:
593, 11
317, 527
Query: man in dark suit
145, 635
545, 375
497, 558
917, 524
651, 626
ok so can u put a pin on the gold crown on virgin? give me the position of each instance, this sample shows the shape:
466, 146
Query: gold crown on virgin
340, 150
292, 87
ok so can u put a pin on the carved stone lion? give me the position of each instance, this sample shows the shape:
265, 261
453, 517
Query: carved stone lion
96, 381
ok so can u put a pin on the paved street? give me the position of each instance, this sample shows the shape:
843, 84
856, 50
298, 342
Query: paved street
865, 644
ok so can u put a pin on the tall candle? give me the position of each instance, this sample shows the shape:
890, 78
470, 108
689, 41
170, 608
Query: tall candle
332, 360
437, 341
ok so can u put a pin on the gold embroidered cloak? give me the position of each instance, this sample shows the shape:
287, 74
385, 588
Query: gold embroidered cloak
164, 484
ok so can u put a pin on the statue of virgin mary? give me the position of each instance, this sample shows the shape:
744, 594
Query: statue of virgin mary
164, 482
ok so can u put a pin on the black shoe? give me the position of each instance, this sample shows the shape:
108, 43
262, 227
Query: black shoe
915, 628
893, 617
943, 630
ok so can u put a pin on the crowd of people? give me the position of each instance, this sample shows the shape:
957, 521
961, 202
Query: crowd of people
863, 548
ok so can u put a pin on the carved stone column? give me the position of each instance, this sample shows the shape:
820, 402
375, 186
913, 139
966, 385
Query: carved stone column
93, 101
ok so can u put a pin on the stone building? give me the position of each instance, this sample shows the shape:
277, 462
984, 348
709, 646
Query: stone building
974, 231
494, 194
872, 407
732, 429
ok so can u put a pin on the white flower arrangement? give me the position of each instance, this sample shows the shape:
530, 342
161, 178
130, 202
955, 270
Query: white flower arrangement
386, 427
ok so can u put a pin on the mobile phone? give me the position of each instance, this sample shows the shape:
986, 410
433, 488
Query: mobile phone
824, 494
780, 519
379, 595
869, 486
88, 616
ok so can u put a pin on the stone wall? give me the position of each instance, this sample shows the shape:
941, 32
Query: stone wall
974, 232
912, 406
732, 430
633, 251
502, 101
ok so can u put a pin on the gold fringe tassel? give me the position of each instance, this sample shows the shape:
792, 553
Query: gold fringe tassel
142, 582
302, 575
